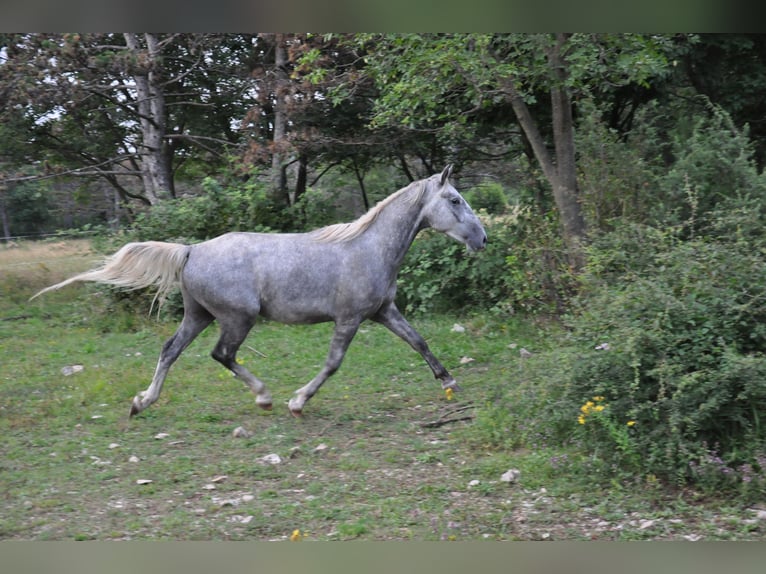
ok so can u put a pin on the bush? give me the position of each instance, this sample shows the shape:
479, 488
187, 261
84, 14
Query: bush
489, 197
522, 268
713, 163
663, 372
222, 207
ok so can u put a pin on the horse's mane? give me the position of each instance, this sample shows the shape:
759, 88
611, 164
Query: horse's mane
340, 232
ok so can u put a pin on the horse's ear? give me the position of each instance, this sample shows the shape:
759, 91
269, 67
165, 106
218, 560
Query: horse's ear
446, 173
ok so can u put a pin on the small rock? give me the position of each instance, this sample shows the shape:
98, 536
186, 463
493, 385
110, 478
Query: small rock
133, 458
510, 476
161, 435
457, 328
209, 487
320, 447
241, 432
466, 360
71, 370
524, 354
692, 537
271, 459
144, 481
248, 498
644, 524
512, 346
760, 514
113, 445
474, 482
246, 519
219, 478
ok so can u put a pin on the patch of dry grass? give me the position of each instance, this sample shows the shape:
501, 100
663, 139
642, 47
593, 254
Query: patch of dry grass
27, 266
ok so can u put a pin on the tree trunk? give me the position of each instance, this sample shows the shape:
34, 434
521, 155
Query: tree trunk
566, 191
278, 170
561, 174
302, 178
156, 172
4, 215
360, 179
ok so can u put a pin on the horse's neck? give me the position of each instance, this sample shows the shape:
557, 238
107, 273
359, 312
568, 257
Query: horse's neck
394, 230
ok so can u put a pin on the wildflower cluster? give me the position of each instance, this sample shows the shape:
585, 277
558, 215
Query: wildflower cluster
595, 406
603, 427
297, 535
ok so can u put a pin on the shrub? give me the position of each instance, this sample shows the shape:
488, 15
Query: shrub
222, 207
670, 335
489, 197
522, 268
713, 163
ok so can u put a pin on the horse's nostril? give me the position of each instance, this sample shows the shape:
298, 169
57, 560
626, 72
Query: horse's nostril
484, 242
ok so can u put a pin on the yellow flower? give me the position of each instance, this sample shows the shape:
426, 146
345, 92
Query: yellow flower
581, 419
449, 394
598, 408
240, 361
598, 399
630, 423
295, 536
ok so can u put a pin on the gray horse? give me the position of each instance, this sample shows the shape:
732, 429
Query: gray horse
344, 273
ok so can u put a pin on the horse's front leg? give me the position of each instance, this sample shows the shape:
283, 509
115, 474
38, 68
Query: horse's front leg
341, 339
392, 318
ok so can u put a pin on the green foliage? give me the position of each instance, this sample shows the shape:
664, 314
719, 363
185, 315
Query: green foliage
27, 206
713, 163
489, 196
670, 334
662, 372
223, 206
616, 177
522, 268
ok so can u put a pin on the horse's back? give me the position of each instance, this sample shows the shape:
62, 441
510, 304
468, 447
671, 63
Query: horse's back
290, 278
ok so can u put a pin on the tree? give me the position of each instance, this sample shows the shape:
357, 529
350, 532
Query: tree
127, 107
315, 109
444, 82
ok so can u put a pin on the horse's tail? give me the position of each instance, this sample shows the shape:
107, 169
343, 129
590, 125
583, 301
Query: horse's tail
136, 266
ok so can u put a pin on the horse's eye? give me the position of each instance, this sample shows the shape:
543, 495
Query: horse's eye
455, 201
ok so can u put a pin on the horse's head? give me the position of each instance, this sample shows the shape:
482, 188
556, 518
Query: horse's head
445, 210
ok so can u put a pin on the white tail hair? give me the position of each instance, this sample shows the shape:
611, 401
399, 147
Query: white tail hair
136, 266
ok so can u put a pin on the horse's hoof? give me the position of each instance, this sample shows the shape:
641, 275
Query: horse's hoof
297, 413
134, 409
452, 385
265, 406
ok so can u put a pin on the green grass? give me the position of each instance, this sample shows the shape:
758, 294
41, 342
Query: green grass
67, 470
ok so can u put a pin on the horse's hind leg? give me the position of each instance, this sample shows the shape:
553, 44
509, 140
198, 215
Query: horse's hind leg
196, 318
233, 334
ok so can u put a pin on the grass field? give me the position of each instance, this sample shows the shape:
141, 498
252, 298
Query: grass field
363, 463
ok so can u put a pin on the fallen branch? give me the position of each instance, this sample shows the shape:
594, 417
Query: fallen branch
442, 422
444, 418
